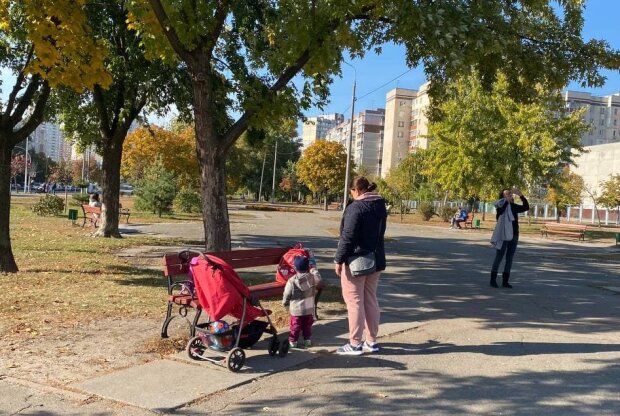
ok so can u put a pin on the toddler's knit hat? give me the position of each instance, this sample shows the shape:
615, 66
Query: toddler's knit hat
301, 264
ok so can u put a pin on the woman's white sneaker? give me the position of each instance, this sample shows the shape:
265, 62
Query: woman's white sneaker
349, 349
374, 347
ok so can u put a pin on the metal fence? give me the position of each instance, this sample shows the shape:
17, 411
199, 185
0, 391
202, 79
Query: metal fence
573, 213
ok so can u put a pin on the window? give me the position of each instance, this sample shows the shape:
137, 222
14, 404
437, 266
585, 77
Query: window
400, 134
402, 124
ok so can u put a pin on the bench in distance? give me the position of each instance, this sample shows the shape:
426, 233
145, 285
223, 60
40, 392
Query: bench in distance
573, 230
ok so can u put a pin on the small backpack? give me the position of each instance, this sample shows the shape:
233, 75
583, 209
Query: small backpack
286, 267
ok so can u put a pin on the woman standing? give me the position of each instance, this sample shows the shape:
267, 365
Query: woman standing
361, 231
506, 234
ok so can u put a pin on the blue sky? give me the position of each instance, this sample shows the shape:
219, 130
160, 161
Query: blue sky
601, 22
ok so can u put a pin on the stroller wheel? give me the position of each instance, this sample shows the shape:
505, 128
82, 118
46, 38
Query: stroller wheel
283, 350
274, 344
235, 359
195, 348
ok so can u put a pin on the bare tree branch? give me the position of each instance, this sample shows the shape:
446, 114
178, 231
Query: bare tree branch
36, 118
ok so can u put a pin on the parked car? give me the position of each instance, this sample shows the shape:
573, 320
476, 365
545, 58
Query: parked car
126, 190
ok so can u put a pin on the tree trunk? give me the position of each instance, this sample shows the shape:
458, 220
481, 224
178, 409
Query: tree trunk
7, 260
212, 164
214, 204
110, 183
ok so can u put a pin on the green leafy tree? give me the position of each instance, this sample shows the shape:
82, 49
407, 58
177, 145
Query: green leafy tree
407, 179
242, 57
252, 158
103, 117
322, 168
610, 194
485, 140
566, 189
157, 189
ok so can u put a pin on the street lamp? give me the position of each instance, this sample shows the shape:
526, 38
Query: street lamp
346, 175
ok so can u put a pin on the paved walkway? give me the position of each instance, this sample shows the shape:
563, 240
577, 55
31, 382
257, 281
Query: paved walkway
451, 344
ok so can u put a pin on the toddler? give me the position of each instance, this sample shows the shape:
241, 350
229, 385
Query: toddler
299, 295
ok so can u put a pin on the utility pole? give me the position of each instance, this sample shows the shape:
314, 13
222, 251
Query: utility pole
346, 175
273, 183
26, 182
262, 173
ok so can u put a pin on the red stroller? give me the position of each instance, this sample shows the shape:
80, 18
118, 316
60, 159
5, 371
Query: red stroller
221, 292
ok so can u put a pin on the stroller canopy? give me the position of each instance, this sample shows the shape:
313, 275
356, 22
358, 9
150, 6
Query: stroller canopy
220, 290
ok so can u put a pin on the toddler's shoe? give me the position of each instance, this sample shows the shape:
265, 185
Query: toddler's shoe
349, 349
293, 344
307, 343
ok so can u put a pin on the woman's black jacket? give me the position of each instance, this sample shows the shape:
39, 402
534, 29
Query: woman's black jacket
362, 229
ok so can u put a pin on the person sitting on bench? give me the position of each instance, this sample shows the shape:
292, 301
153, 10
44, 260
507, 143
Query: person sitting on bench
459, 217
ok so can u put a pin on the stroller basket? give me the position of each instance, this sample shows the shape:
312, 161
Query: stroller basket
250, 335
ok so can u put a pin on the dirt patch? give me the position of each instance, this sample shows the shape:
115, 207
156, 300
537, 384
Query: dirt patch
65, 355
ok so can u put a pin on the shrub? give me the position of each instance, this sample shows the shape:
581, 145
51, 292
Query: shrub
157, 188
78, 199
446, 213
426, 211
188, 200
49, 205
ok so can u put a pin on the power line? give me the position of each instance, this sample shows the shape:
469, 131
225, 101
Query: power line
381, 86
378, 88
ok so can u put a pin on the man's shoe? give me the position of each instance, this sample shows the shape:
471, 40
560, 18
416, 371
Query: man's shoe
348, 349
493, 283
293, 344
507, 285
367, 347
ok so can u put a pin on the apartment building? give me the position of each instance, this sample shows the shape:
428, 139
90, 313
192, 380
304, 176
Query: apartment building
601, 114
316, 128
419, 121
49, 139
396, 134
367, 141
596, 164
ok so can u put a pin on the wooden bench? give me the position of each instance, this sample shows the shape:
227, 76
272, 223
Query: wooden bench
334, 206
576, 230
176, 267
469, 221
123, 212
93, 214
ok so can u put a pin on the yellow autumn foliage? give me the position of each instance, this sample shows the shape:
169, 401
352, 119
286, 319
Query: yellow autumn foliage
65, 53
177, 150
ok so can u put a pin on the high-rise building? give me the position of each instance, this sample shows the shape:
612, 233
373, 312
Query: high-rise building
49, 139
316, 128
602, 115
419, 121
367, 141
397, 127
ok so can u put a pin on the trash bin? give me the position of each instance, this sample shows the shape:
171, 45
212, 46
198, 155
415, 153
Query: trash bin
73, 215
476, 223
617, 238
